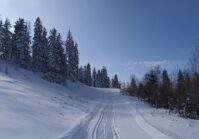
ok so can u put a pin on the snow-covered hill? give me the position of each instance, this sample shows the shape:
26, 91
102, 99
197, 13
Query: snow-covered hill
31, 108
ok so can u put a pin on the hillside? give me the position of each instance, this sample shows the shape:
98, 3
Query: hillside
36, 109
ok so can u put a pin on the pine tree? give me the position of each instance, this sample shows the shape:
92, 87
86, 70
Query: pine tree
53, 66
98, 79
115, 82
7, 40
105, 81
75, 60
165, 90
85, 75
152, 82
61, 59
72, 57
81, 74
132, 89
38, 47
21, 42
45, 51
1, 37
94, 78
88, 75
180, 90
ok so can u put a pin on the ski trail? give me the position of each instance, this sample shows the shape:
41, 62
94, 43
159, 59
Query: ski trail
143, 124
97, 125
114, 128
80, 130
103, 128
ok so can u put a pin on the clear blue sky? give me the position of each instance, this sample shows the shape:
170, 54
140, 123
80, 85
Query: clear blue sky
126, 36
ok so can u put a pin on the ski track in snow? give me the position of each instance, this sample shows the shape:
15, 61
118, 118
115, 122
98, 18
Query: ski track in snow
152, 131
105, 125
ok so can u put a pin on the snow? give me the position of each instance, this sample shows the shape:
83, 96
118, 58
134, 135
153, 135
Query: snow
36, 109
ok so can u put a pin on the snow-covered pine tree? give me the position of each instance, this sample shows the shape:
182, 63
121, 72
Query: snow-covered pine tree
27, 42
105, 81
1, 37
45, 51
115, 82
75, 61
94, 77
81, 74
50, 74
56, 71
180, 90
61, 59
88, 75
37, 47
7, 40
21, 42
98, 79
85, 75
70, 55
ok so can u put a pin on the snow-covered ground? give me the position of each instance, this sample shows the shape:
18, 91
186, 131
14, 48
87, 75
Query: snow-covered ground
31, 108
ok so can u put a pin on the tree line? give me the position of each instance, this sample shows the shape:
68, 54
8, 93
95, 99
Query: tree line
179, 93
56, 59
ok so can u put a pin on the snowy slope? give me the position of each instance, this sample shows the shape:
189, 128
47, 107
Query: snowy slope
31, 108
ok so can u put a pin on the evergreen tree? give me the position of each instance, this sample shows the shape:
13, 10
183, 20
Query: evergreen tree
38, 46
115, 82
85, 75
166, 89
21, 42
105, 81
152, 81
88, 75
72, 57
180, 90
61, 58
7, 40
141, 91
56, 62
94, 78
45, 51
81, 74
132, 89
98, 79
1, 37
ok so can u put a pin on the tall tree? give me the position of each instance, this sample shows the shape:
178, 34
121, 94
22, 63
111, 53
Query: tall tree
72, 57
94, 78
115, 82
133, 88
98, 79
1, 36
21, 43
152, 82
81, 74
7, 40
45, 51
88, 75
38, 46
166, 88
105, 81
180, 90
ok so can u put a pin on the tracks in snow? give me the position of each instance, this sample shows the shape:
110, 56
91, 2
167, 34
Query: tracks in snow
148, 128
103, 119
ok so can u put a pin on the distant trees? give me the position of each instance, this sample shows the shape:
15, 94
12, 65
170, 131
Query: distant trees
55, 59
180, 95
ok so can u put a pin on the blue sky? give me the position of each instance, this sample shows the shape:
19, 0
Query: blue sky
126, 36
